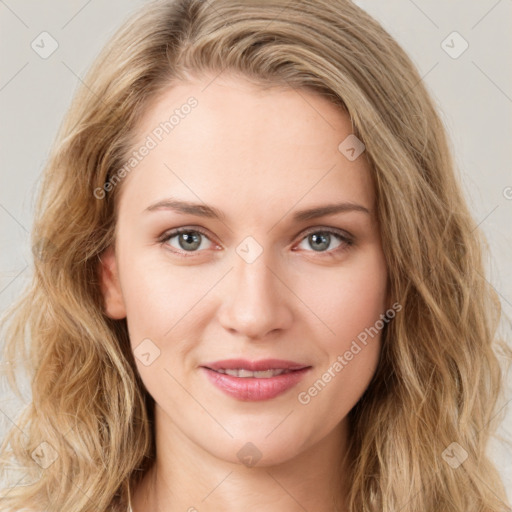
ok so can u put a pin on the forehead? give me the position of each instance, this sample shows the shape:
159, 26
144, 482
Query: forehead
215, 139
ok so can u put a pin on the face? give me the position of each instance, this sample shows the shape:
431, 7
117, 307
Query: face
219, 266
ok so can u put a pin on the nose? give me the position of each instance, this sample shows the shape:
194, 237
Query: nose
256, 301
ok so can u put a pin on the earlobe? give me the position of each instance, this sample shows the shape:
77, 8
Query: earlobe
110, 286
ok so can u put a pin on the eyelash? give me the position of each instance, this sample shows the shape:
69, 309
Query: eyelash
347, 242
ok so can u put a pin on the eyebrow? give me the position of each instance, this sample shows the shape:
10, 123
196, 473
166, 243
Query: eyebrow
203, 210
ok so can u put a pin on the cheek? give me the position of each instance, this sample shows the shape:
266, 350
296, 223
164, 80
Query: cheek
149, 310
161, 323
165, 303
348, 301
158, 294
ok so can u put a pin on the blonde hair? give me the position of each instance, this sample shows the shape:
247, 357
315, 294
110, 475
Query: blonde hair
438, 379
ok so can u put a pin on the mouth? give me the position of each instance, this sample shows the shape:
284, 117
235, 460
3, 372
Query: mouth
262, 365
244, 374
255, 380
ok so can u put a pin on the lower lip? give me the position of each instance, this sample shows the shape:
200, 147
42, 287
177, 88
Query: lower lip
253, 388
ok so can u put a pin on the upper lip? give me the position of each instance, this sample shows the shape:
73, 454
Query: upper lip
261, 365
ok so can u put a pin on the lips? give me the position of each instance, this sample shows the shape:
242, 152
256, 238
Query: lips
254, 380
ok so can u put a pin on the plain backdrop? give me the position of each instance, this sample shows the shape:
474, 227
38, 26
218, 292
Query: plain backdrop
461, 49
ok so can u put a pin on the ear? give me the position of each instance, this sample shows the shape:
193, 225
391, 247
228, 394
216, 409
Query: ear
110, 286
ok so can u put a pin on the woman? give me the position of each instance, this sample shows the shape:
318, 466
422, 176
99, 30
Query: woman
257, 282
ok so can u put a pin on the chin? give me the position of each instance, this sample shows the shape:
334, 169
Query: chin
257, 449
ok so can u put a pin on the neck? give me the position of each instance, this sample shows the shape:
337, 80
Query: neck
187, 478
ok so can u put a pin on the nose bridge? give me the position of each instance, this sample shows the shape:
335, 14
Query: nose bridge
255, 303
255, 280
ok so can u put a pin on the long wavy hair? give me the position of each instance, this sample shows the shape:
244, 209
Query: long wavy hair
419, 434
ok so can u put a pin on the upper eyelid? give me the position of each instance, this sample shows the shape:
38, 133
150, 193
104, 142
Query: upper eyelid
171, 233
320, 229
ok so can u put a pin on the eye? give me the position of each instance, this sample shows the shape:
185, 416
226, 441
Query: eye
187, 239
191, 240
321, 239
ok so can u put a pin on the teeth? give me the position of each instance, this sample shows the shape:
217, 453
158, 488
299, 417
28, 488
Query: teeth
263, 374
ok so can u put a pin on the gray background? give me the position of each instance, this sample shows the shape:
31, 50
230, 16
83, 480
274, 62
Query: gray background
473, 93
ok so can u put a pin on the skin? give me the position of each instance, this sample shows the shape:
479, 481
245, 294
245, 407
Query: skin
258, 156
